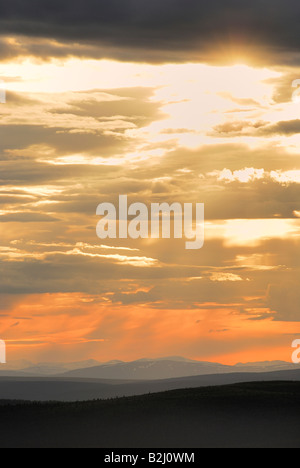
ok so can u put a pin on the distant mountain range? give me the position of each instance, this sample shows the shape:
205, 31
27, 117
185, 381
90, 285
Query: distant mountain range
23, 367
143, 369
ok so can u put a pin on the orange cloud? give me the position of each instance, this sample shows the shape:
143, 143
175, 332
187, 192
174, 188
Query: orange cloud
65, 327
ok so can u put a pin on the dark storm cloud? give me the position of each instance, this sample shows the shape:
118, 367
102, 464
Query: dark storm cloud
163, 31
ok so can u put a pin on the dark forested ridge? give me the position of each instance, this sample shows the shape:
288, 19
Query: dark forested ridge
242, 415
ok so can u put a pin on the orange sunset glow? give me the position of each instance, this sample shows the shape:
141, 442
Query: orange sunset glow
85, 122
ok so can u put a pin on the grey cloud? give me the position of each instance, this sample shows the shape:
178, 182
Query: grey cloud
256, 199
284, 299
72, 273
238, 128
192, 293
33, 172
283, 86
289, 127
240, 101
168, 30
27, 217
22, 136
10, 199
257, 129
151, 183
8, 302
284, 252
121, 108
135, 298
188, 294
129, 103
217, 157
19, 99
183, 282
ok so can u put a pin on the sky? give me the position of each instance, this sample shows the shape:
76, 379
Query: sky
171, 101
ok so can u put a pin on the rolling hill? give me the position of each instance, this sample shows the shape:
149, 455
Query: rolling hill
255, 415
78, 389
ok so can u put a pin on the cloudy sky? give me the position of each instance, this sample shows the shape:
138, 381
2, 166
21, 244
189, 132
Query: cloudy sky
162, 101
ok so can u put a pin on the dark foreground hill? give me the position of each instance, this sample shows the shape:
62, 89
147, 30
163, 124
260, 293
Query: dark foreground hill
242, 415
